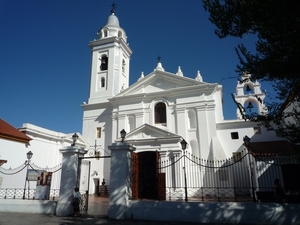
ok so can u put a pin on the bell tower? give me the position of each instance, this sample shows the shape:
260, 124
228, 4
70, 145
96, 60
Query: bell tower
249, 97
110, 61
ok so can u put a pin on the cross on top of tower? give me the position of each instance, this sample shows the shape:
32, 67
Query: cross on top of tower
114, 6
158, 58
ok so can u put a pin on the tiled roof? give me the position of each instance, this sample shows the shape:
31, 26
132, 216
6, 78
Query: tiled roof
2, 162
272, 148
9, 132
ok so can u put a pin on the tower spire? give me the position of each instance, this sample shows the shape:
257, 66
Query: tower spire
110, 65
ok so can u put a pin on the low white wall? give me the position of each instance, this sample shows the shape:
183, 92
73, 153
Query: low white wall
28, 206
213, 212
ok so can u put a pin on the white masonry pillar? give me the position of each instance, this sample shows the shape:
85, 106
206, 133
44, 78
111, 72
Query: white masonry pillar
120, 179
69, 178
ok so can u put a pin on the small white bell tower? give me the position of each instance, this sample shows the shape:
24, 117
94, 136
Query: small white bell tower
249, 96
110, 62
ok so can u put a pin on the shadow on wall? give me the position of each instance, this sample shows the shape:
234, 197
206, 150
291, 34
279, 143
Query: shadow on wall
118, 188
208, 212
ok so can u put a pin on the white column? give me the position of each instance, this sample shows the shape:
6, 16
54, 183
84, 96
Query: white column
120, 179
69, 176
181, 125
204, 132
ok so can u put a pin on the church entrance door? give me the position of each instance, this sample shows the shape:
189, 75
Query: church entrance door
147, 180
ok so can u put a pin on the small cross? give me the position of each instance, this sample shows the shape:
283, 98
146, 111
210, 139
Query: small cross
114, 6
158, 58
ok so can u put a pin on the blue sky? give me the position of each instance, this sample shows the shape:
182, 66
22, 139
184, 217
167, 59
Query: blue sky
45, 58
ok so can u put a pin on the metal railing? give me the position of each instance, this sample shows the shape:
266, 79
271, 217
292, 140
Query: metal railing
241, 178
12, 182
17, 193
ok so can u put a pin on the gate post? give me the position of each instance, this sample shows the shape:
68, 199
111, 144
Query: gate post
120, 177
69, 176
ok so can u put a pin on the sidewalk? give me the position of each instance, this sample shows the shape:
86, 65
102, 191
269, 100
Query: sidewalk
97, 214
36, 219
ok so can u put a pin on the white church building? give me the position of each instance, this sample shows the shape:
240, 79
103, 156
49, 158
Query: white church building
160, 109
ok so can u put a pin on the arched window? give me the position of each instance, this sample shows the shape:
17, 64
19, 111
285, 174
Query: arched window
119, 34
102, 82
104, 62
248, 89
123, 66
105, 33
160, 113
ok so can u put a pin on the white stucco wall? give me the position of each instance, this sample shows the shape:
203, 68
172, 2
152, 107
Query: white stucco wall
45, 145
14, 152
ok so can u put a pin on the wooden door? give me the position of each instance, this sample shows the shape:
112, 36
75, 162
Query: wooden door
135, 176
161, 179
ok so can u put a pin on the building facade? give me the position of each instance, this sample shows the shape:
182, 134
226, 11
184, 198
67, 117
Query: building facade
160, 109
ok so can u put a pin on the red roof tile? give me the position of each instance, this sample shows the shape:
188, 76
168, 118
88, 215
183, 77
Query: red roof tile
9, 132
2, 162
271, 148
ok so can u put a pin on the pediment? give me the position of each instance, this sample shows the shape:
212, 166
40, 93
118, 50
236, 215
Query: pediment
148, 132
159, 81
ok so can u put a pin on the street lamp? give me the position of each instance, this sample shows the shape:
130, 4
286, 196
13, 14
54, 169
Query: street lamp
246, 140
183, 146
74, 138
123, 134
29, 156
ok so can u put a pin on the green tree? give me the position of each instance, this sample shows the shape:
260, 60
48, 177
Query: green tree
276, 59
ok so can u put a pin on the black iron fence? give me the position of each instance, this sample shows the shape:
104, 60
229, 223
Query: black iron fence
18, 193
18, 183
241, 178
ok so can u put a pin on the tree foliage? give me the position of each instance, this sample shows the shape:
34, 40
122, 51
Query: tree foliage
277, 26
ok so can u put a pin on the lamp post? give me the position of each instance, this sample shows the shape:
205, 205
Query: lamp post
74, 138
246, 140
123, 134
183, 146
29, 156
